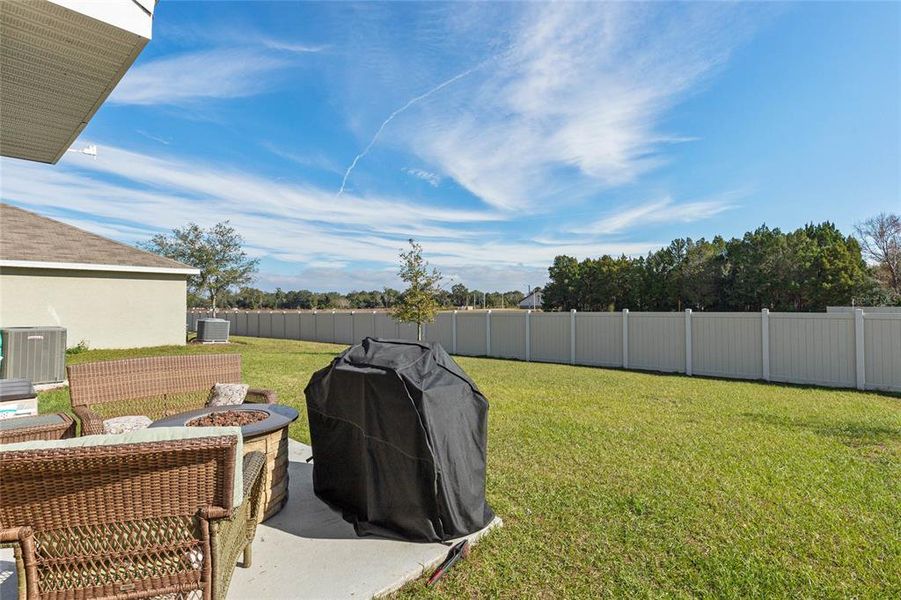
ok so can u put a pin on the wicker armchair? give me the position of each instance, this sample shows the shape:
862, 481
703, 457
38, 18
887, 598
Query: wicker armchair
155, 387
128, 521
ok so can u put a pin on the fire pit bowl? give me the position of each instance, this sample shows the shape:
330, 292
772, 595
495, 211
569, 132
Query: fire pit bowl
268, 435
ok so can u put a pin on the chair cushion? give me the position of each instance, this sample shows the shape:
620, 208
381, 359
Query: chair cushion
126, 424
153, 434
227, 394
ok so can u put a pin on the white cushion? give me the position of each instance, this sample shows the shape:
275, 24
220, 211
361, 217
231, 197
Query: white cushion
227, 394
126, 424
153, 434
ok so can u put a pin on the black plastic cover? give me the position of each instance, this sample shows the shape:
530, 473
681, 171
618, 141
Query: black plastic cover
399, 435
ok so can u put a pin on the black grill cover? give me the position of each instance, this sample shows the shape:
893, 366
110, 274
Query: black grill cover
399, 435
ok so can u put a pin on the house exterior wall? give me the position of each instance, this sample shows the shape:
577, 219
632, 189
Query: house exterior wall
105, 309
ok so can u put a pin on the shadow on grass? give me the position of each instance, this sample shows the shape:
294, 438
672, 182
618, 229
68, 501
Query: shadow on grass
849, 433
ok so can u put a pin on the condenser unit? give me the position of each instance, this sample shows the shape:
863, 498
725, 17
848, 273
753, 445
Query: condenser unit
212, 330
34, 353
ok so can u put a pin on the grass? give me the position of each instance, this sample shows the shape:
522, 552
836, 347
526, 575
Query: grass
615, 483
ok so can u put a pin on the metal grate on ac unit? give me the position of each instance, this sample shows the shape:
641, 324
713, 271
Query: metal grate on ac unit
34, 353
212, 330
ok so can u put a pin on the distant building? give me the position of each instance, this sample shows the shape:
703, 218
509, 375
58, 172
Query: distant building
108, 294
532, 301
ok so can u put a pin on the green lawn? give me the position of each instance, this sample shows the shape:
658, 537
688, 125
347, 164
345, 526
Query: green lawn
628, 484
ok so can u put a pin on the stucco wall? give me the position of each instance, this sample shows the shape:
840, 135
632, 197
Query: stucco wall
107, 310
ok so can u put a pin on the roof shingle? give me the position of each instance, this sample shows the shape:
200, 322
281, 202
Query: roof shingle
26, 236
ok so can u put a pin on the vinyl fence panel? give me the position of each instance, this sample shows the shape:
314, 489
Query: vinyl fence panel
277, 325
364, 326
253, 324
308, 326
657, 341
508, 335
232, 319
550, 337
292, 326
344, 328
325, 327
472, 334
385, 326
599, 339
812, 348
727, 345
441, 331
265, 327
406, 331
882, 351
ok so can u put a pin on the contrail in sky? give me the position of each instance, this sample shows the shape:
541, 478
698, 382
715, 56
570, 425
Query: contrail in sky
397, 112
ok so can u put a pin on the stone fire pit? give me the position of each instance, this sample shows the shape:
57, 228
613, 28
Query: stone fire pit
268, 435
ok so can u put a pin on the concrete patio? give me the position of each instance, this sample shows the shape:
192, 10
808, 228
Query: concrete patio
309, 551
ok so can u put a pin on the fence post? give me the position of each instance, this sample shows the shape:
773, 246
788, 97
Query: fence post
353, 337
488, 333
765, 342
528, 335
454, 331
625, 338
284, 325
688, 341
859, 349
315, 325
572, 336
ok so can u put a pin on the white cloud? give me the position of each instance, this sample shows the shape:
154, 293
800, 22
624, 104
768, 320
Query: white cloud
192, 76
296, 47
660, 211
315, 161
433, 179
130, 196
411, 102
573, 102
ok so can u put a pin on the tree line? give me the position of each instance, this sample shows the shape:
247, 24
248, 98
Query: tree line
808, 269
252, 298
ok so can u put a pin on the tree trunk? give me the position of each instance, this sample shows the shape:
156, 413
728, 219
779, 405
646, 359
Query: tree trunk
419, 332
213, 303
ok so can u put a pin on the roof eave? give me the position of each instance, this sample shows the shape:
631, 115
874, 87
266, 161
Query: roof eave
71, 266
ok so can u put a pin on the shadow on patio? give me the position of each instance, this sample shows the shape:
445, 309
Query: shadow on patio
309, 551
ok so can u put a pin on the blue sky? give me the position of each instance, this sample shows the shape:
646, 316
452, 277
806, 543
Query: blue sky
497, 134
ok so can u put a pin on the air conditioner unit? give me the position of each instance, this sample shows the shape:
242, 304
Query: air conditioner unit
212, 330
34, 353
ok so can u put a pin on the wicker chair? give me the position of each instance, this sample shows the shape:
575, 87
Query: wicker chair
131, 520
155, 387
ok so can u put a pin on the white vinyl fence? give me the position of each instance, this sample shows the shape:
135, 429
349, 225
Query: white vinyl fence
834, 349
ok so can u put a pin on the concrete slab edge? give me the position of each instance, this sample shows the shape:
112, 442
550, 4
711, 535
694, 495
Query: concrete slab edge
424, 568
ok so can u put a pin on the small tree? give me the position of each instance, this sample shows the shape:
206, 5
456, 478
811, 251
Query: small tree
880, 240
418, 303
218, 253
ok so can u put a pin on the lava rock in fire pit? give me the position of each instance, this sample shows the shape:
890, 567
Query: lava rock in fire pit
228, 418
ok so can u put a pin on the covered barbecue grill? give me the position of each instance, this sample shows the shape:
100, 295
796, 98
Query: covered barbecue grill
399, 435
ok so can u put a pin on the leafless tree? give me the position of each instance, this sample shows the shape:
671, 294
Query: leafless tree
880, 240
